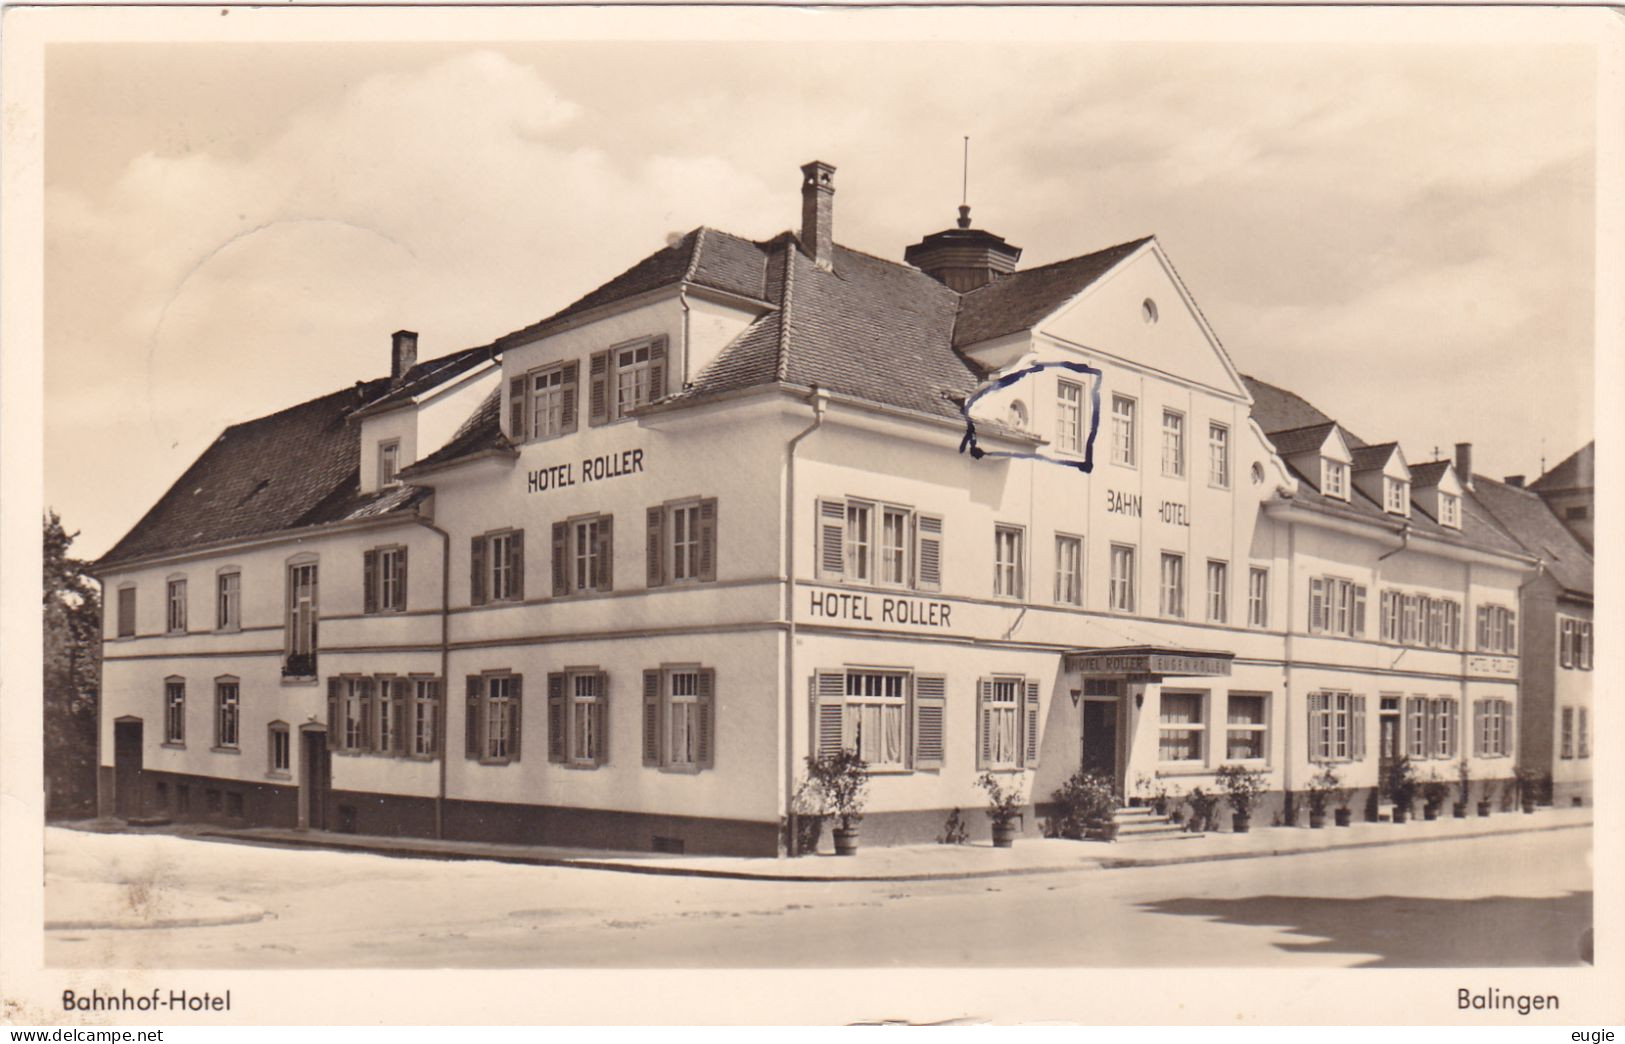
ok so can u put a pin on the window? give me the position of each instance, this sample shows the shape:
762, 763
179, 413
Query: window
577, 710
1121, 591
1416, 727
1068, 570
1123, 434
496, 564
584, 555
1583, 644
678, 716
389, 462
1334, 476
279, 746
863, 542
626, 377
1007, 574
1396, 495
682, 542
1566, 644
228, 601
1007, 721
126, 611
1336, 606
1492, 728
894, 546
1016, 416
492, 728
1069, 416
1173, 584
859, 540
1450, 510
1584, 717
383, 580
1218, 455
302, 613
1173, 443
1442, 727
1245, 728
1497, 629
868, 711
175, 711
1218, 591
552, 407
391, 704
227, 711
425, 725
349, 713
1568, 733
1336, 726
1184, 727
176, 602
1258, 597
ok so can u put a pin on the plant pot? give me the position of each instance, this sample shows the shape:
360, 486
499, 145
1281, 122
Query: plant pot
1484, 809
1317, 820
1528, 808
1400, 812
1459, 810
846, 841
1430, 812
1104, 832
1160, 807
1342, 816
1135, 802
1240, 821
1004, 835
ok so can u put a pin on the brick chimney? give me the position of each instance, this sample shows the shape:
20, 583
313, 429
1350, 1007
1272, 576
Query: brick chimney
1464, 463
964, 258
1515, 481
403, 354
818, 211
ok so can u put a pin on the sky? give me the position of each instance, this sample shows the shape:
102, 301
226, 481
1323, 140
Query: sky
1401, 233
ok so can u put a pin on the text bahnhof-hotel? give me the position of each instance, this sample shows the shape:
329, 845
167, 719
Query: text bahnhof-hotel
537, 590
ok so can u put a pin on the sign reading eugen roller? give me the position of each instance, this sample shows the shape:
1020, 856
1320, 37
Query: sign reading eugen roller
1180, 665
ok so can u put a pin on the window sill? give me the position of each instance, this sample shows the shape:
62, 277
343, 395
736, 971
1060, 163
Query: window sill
173, 745
680, 770
176, 634
398, 610
278, 774
301, 681
1185, 770
225, 750
495, 761
233, 629
586, 766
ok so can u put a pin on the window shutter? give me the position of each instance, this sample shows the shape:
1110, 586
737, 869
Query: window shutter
516, 724
1384, 624
600, 717
400, 707
831, 539
476, 571
1030, 721
561, 567
1509, 738
568, 383
369, 692
1453, 714
606, 553
335, 728
369, 581
930, 710
656, 529
984, 722
556, 734
1512, 633
598, 382
1483, 619
1359, 611
400, 588
1317, 603
928, 552
657, 368
652, 746
1357, 729
706, 705
516, 409
516, 563
829, 713
1566, 644
471, 728
1478, 728
1317, 714
708, 539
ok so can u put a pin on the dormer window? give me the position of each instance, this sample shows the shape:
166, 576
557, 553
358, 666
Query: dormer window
1396, 496
1334, 475
389, 462
1450, 510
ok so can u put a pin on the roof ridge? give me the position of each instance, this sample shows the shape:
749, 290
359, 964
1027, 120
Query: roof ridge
694, 253
1305, 427
1069, 260
783, 367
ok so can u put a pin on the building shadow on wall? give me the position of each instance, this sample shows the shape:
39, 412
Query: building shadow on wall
1407, 932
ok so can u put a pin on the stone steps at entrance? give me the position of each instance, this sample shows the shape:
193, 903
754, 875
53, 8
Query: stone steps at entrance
1143, 824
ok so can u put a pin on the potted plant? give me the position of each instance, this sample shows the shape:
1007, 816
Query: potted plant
1086, 805
1142, 791
1204, 810
1464, 780
1173, 805
1527, 781
1340, 797
1486, 798
1243, 787
1322, 785
1401, 787
1004, 806
842, 782
1434, 791
807, 813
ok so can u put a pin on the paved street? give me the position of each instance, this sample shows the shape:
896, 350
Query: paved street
1517, 900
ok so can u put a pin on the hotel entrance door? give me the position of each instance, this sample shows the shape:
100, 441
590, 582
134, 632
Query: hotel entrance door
1100, 737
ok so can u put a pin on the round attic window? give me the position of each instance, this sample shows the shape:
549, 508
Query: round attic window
1148, 310
1018, 415
1258, 473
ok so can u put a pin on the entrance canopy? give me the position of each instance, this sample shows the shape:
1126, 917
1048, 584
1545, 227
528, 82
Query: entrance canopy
1150, 663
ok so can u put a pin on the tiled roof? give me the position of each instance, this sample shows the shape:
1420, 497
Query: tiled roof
1428, 473
1577, 471
1525, 515
427, 375
1301, 440
481, 431
705, 257
1276, 409
1368, 457
294, 468
1015, 302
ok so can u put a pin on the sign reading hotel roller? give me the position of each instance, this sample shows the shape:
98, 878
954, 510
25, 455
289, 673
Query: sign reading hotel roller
1178, 665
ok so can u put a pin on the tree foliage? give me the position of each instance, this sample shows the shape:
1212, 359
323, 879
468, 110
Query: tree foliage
73, 664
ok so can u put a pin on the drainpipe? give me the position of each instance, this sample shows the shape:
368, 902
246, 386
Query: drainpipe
682, 299
1404, 542
1286, 681
820, 404
445, 676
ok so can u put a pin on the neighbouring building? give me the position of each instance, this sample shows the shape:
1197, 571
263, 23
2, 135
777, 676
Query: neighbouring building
1557, 643
610, 579
1570, 490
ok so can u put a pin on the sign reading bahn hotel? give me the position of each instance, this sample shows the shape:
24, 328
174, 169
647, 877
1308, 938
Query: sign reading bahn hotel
1493, 666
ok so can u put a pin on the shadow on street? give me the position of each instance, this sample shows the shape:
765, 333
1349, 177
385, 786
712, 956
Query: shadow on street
1407, 932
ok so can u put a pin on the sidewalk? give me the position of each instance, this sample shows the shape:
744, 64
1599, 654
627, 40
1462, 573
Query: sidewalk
941, 862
